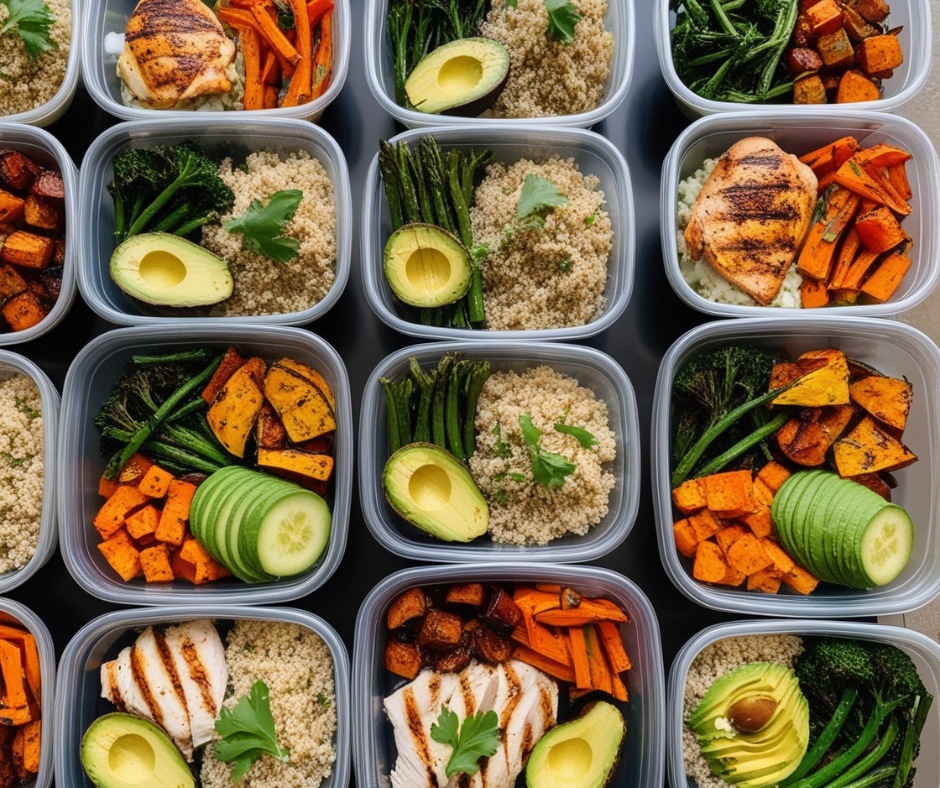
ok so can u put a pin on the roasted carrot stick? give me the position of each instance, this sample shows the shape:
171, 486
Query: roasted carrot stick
254, 86
273, 34
298, 92
323, 61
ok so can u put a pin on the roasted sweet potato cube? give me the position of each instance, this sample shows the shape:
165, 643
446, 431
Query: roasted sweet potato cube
24, 310
730, 493
407, 606
728, 535
809, 90
490, 646
439, 629
878, 56
835, 49
402, 659
780, 558
704, 524
501, 613
710, 565
873, 10
113, 512
800, 580
142, 524
773, 474
685, 537
825, 16
465, 595
27, 250
11, 282
155, 563
17, 170
453, 660
854, 86
689, 496
155, 482
856, 25
120, 553
748, 555
43, 214
766, 581
11, 207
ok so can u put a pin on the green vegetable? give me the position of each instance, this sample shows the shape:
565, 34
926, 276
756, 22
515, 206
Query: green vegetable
247, 731
30, 20
548, 468
562, 17
261, 226
538, 196
478, 737
585, 438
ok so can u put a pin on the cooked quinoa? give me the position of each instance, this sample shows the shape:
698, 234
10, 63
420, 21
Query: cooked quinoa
700, 276
711, 663
551, 277
297, 667
523, 511
262, 286
548, 77
21, 470
27, 83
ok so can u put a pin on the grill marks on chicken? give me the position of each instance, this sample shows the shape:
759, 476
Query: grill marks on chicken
752, 215
175, 50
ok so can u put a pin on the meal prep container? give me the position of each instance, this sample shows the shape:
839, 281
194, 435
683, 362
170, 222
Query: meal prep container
797, 132
219, 135
102, 638
13, 364
87, 384
16, 613
48, 113
912, 16
104, 20
593, 154
924, 651
641, 761
892, 348
40, 145
380, 73
593, 369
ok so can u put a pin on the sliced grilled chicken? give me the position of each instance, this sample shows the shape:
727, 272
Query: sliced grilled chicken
119, 686
175, 50
752, 215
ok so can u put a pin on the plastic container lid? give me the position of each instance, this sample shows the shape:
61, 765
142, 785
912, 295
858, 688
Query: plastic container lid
592, 368
40, 145
22, 615
219, 134
108, 18
88, 383
924, 651
798, 131
641, 761
380, 74
911, 16
12, 364
593, 154
79, 692
893, 349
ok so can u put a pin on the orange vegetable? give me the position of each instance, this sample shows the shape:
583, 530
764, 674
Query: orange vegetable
590, 611
597, 662
299, 89
155, 482
729, 494
155, 563
529, 655
119, 551
855, 86
323, 60
748, 555
830, 157
579, 657
689, 496
879, 230
612, 641
853, 175
175, 513
24, 310
272, 34
142, 524
684, 535
115, 510
813, 294
254, 84
316, 9
878, 56
709, 565
815, 258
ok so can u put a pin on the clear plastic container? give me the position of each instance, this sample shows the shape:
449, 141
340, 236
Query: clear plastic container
798, 131
12, 612
380, 73
104, 22
593, 154
219, 135
101, 639
924, 651
892, 348
641, 758
41, 146
592, 368
87, 384
911, 16
49, 112
15, 364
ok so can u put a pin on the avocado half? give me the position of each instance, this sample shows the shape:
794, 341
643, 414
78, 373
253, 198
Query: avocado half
462, 77
166, 270
426, 266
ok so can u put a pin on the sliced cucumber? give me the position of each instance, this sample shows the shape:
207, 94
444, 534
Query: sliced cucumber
886, 544
293, 534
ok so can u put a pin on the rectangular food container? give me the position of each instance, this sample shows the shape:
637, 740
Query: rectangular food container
912, 16
892, 348
14, 364
593, 369
87, 384
43, 147
102, 29
220, 136
12, 612
593, 155
799, 131
380, 73
924, 651
79, 691
641, 761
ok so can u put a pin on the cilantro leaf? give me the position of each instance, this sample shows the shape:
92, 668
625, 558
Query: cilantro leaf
538, 195
548, 468
501, 449
262, 225
511, 3
247, 731
477, 738
30, 20
585, 438
562, 17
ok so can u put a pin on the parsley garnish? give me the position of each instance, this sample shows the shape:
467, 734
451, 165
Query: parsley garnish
323, 701
565, 265
585, 438
30, 20
247, 731
511, 3
501, 449
548, 468
262, 225
562, 17
538, 196
501, 497
477, 738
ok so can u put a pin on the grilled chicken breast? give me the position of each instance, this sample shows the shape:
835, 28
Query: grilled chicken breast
752, 215
524, 698
175, 50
